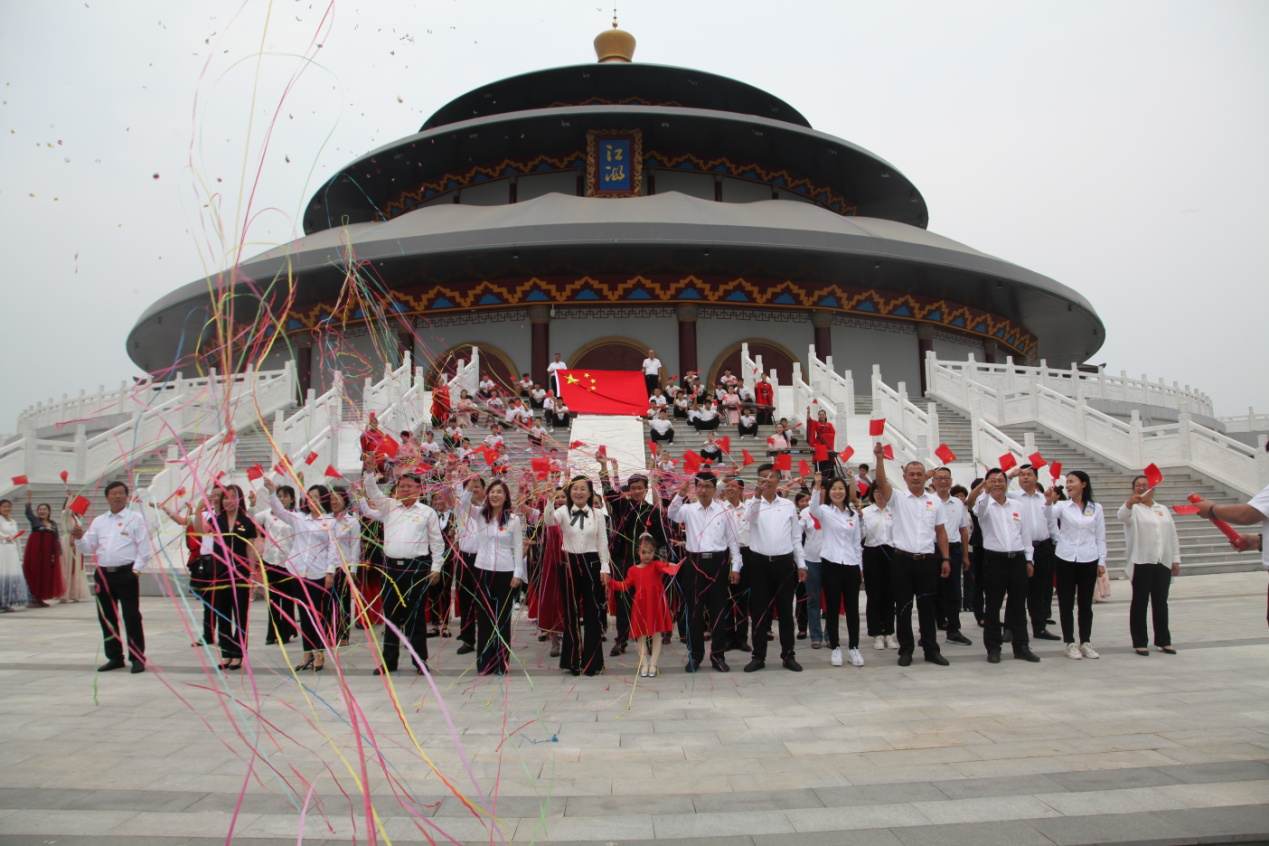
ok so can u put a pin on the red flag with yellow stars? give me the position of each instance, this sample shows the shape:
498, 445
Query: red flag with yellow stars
604, 391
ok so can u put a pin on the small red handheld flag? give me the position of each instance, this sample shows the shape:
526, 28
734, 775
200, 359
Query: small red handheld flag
180, 492
691, 462
652, 446
79, 505
1055, 470
1227, 530
576, 444
312, 456
602, 452
65, 476
877, 427
845, 454
491, 455
1037, 461
1154, 477
821, 452
783, 461
945, 454
332, 472
21, 480
1008, 462
745, 458
887, 452
541, 467
1185, 509
254, 472
388, 447
770, 441
724, 443
804, 469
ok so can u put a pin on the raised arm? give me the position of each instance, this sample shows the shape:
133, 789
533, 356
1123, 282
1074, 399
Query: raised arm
882, 484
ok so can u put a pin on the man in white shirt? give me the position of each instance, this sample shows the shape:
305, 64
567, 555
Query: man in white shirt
413, 549
738, 619
1040, 588
777, 565
711, 541
652, 371
662, 429
121, 541
1247, 514
1007, 563
957, 524
494, 439
537, 396
658, 399
552, 373
429, 448
920, 555
526, 385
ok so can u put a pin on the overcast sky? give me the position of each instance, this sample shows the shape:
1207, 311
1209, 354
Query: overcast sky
1118, 147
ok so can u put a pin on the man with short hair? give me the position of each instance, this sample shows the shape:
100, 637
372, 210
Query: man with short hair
777, 565
552, 373
652, 371
1040, 586
957, 524
921, 555
1007, 563
711, 543
121, 541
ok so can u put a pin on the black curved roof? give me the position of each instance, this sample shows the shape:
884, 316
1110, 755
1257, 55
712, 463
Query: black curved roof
614, 83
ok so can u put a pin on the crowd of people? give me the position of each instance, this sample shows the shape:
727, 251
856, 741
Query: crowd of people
49, 568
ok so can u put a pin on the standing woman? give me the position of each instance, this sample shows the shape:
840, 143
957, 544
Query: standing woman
1079, 527
201, 568
12, 585
72, 559
237, 566
878, 525
1154, 557
500, 571
546, 603
280, 587
841, 561
584, 538
348, 548
312, 563
42, 558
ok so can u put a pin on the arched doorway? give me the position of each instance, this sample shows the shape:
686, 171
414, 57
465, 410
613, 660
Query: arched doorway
493, 363
612, 353
774, 356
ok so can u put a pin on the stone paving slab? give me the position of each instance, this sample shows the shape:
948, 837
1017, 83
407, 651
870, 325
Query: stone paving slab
1122, 750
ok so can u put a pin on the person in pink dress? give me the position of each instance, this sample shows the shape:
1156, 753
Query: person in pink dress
650, 615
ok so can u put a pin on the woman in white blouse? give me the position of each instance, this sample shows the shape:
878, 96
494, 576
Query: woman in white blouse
348, 547
500, 570
1154, 557
878, 524
585, 540
842, 561
1078, 527
313, 561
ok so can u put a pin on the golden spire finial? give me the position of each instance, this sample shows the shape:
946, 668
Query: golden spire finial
614, 45
614, 16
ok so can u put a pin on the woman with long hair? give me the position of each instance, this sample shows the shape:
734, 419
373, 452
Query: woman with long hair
313, 561
1154, 558
546, 602
201, 568
841, 561
584, 537
236, 564
12, 584
42, 558
1079, 528
499, 571
348, 546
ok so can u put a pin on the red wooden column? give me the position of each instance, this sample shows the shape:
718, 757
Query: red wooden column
540, 342
823, 323
686, 314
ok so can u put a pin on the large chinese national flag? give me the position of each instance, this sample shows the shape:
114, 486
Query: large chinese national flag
604, 391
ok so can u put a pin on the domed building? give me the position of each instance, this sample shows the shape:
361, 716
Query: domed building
601, 210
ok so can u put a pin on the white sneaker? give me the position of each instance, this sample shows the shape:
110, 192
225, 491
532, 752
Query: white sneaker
856, 658
1073, 651
1086, 649
892, 641
837, 657
879, 642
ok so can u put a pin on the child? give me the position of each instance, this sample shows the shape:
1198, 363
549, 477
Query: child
650, 614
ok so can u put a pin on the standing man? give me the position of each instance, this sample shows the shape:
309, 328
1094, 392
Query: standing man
121, 542
956, 524
1007, 563
552, 373
652, 371
413, 550
630, 517
765, 395
778, 564
920, 555
738, 619
710, 536
1040, 588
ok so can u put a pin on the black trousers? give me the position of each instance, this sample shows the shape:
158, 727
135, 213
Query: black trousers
772, 586
622, 599
706, 600
658, 438
1076, 581
949, 606
201, 582
1005, 574
1040, 590
231, 598
651, 381
440, 595
841, 581
313, 601
494, 602
738, 617
404, 593
879, 585
1150, 585
916, 583
465, 578
706, 425
119, 593
580, 649
743, 430
979, 592
282, 591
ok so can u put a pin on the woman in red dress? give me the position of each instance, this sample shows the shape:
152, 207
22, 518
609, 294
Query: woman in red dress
42, 560
650, 614
544, 590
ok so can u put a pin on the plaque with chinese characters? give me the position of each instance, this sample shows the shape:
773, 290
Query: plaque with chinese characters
614, 163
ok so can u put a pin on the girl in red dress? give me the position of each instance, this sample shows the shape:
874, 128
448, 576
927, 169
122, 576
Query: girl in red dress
650, 614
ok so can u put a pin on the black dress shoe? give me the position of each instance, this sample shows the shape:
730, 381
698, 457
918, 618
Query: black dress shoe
1006, 635
465, 649
138, 667
905, 660
1050, 622
690, 666
385, 670
957, 637
993, 656
791, 663
1044, 634
755, 665
1027, 655
418, 671
936, 658
802, 635
115, 664
618, 648
718, 662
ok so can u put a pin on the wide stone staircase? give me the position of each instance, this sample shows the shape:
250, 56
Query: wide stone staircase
954, 429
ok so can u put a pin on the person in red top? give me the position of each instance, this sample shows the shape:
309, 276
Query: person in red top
820, 432
440, 404
650, 615
765, 395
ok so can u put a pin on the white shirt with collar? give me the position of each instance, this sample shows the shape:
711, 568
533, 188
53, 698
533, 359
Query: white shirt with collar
878, 526
1260, 502
500, 547
1035, 504
588, 535
651, 366
1006, 527
314, 553
842, 532
408, 533
660, 426
348, 539
740, 513
1080, 534
955, 518
812, 535
915, 517
1150, 536
118, 539
711, 529
774, 529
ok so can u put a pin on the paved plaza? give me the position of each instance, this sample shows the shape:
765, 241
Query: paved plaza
1125, 749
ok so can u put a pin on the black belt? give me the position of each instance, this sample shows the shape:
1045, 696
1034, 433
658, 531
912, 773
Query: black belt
917, 556
708, 556
120, 568
1018, 554
1042, 542
759, 556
